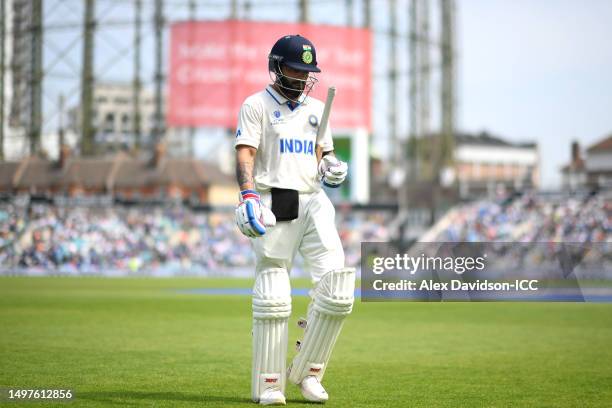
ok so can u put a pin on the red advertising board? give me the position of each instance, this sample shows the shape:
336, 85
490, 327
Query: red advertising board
215, 65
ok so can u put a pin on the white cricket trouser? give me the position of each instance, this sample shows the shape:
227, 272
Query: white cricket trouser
313, 234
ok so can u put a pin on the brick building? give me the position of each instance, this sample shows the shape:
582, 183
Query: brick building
121, 176
484, 163
592, 171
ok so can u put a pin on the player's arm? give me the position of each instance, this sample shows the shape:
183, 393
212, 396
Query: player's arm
245, 163
252, 217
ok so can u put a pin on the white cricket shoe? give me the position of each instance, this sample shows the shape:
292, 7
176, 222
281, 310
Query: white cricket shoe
312, 390
272, 397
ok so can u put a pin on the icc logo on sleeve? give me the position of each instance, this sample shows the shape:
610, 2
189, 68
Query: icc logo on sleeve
238, 133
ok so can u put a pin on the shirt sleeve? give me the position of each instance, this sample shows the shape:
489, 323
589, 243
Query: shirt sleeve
248, 131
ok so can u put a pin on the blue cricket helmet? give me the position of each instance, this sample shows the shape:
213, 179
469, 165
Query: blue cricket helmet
296, 52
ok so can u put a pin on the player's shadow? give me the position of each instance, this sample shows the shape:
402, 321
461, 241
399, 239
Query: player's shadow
137, 398
301, 401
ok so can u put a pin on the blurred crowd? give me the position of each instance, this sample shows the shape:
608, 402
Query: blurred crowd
178, 239
531, 218
12, 221
132, 239
542, 235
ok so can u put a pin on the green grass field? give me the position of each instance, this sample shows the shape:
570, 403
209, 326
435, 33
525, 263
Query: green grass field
137, 342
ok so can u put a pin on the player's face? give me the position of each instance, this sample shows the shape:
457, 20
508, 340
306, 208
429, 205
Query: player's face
300, 76
294, 81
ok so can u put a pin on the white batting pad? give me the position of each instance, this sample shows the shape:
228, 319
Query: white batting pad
271, 311
332, 301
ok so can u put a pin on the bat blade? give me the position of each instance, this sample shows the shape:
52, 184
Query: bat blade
331, 94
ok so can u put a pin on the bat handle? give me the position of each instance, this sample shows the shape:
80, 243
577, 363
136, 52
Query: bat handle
319, 152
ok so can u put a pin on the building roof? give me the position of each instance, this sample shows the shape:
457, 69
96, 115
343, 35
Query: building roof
604, 145
486, 139
36, 172
7, 173
575, 166
106, 173
88, 173
184, 172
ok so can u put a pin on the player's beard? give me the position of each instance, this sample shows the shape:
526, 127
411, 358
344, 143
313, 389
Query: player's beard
292, 89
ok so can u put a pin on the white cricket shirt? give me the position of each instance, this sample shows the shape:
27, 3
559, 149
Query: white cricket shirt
285, 140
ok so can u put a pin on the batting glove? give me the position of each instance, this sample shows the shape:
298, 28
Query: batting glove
332, 171
252, 217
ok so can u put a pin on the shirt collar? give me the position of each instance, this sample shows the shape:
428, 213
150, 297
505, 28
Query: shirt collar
280, 99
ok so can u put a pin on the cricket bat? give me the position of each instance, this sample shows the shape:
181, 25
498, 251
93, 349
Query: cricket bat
331, 93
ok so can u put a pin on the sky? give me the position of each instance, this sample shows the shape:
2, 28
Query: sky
526, 70
537, 70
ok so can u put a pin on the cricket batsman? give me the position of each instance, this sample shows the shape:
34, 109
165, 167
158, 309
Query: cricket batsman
284, 211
